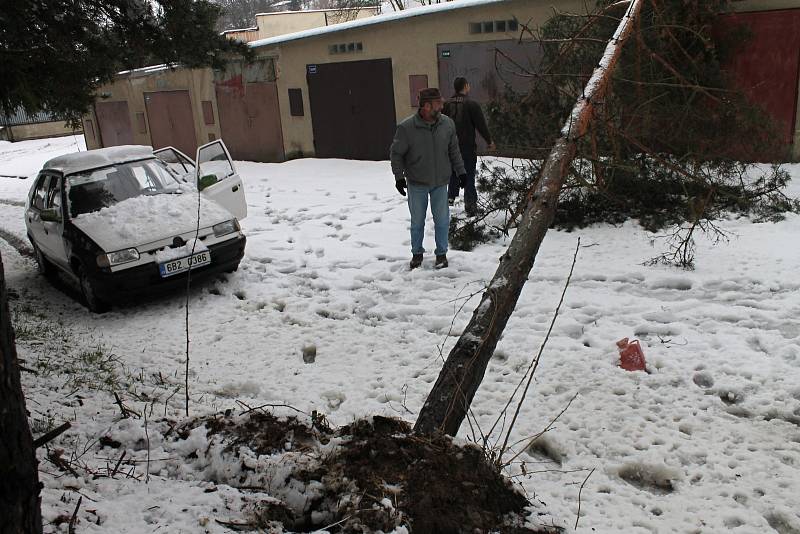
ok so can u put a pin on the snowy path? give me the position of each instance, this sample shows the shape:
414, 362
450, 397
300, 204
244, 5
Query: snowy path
707, 441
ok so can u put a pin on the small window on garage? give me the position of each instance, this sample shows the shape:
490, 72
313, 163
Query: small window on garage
475, 27
488, 26
360, 47
208, 112
512, 25
296, 102
351, 47
499, 25
333, 49
342, 48
141, 124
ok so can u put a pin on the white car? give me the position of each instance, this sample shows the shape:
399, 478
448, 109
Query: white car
125, 220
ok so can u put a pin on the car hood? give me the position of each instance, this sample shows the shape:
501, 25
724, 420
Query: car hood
142, 220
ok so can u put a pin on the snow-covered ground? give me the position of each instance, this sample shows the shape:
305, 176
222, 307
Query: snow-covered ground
707, 441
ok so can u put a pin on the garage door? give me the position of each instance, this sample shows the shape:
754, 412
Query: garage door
114, 121
171, 121
250, 122
352, 108
767, 68
488, 66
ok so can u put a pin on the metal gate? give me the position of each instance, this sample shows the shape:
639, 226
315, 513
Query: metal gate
114, 122
171, 120
488, 66
250, 121
352, 108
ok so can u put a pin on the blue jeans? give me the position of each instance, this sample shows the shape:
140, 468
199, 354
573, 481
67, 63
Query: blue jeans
470, 158
418, 207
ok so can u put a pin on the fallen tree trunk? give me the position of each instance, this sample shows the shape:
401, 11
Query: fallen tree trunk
449, 400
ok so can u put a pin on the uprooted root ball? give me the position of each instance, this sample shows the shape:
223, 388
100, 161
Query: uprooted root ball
373, 475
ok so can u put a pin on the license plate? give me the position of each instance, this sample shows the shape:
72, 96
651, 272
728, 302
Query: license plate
180, 265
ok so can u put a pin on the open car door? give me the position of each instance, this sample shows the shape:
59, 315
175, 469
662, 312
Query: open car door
178, 162
217, 178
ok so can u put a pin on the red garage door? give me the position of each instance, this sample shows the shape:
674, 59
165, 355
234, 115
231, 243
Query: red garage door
114, 122
171, 121
767, 70
250, 120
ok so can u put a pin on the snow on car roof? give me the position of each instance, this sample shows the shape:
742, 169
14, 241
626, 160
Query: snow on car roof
101, 157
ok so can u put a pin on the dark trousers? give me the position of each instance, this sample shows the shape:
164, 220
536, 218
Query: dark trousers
470, 157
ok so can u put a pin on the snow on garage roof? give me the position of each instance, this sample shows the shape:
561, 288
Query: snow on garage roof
101, 157
369, 21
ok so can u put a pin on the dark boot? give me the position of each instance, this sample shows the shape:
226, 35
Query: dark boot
416, 261
441, 261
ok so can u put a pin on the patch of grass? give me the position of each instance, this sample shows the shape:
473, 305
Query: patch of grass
70, 359
58, 352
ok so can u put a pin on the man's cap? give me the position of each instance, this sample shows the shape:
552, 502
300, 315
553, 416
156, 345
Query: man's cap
429, 95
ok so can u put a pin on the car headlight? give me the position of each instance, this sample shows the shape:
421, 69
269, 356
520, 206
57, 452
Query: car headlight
225, 228
118, 257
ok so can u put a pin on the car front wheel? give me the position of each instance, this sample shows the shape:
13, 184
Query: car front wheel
93, 301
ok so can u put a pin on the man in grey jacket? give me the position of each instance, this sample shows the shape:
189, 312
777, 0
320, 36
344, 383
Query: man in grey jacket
424, 154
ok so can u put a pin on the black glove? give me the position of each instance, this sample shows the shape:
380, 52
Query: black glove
400, 185
462, 180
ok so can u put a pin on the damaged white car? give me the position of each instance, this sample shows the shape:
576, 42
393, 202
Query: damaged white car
124, 221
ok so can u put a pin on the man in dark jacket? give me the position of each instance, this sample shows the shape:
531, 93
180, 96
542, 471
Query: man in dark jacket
468, 116
424, 154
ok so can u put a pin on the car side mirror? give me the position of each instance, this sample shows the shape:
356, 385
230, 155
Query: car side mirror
50, 215
206, 181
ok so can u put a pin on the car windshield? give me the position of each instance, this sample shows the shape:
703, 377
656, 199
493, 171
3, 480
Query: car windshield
93, 190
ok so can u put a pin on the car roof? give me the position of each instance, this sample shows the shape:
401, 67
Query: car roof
101, 157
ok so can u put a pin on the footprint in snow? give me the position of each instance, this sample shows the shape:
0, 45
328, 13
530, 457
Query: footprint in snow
678, 283
704, 380
334, 399
656, 479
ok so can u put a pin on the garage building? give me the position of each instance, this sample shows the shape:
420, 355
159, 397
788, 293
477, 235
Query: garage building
337, 91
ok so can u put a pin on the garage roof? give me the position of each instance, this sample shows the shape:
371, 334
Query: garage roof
91, 159
369, 21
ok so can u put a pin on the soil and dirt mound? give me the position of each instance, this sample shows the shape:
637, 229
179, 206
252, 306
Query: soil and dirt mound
374, 475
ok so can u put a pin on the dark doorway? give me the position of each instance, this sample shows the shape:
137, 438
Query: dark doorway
171, 121
114, 121
250, 121
352, 108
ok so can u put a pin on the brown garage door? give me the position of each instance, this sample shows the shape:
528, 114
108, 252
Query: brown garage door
171, 122
114, 122
352, 108
250, 121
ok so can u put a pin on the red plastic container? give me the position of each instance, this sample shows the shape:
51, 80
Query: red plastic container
631, 357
